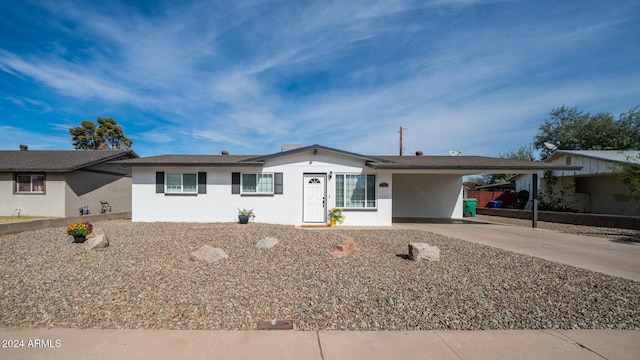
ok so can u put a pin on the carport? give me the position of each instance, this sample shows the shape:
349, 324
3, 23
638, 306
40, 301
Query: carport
430, 187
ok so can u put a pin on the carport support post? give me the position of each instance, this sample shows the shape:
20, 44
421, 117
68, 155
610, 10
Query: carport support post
534, 194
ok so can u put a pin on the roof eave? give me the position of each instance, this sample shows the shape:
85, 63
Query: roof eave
101, 160
508, 169
199, 164
38, 170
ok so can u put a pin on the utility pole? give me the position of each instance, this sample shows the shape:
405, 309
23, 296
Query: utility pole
400, 140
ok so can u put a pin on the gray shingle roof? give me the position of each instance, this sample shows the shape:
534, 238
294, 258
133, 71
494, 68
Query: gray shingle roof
57, 160
194, 160
467, 164
315, 148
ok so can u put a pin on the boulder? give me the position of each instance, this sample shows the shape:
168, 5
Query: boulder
208, 254
419, 251
96, 240
266, 243
348, 246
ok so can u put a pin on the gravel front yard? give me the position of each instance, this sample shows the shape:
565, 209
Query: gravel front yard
627, 235
145, 280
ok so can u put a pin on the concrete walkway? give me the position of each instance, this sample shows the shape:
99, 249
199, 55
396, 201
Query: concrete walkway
196, 344
610, 257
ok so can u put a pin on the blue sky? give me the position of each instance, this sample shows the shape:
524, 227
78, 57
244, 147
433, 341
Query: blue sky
198, 77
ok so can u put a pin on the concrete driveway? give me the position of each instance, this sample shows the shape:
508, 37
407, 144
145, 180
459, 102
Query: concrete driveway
610, 257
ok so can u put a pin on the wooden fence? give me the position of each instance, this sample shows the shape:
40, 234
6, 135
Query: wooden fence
485, 197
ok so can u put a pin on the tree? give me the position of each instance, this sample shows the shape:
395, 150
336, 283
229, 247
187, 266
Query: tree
84, 136
523, 152
571, 129
472, 182
108, 135
630, 175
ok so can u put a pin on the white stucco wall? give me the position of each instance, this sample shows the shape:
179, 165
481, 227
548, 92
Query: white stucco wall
220, 205
427, 196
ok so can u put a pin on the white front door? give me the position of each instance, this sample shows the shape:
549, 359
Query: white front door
314, 198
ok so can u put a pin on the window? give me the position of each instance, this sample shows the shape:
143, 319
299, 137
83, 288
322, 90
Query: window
182, 183
355, 191
30, 183
257, 183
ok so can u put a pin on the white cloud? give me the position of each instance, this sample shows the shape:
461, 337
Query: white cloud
29, 104
236, 88
216, 137
11, 137
65, 78
252, 74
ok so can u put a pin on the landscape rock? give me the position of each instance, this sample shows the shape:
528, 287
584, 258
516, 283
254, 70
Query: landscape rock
267, 243
96, 240
348, 246
208, 254
419, 251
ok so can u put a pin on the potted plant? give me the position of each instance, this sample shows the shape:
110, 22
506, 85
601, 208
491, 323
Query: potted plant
244, 214
79, 231
335, 216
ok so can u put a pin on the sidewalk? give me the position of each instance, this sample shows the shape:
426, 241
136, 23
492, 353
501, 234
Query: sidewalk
327, 345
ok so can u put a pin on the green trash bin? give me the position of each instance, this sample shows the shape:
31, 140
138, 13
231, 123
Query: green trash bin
469, 207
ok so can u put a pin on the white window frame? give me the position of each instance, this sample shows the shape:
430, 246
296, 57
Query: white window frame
32, 177
366, 201
257, 192
181, 190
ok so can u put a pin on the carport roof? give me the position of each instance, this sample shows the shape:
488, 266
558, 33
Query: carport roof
468, 164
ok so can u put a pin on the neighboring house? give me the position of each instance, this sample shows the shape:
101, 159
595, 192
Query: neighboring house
298, 186
596, 188
57, 183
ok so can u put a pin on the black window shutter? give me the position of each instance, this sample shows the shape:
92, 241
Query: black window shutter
159, 182
202, 183
278, 189
235, 183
